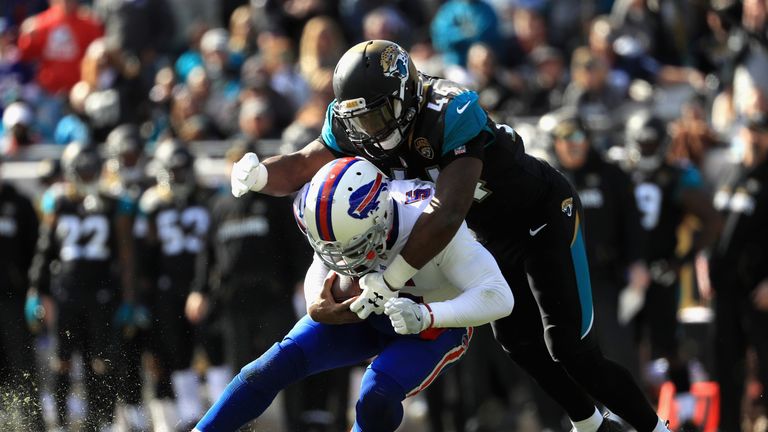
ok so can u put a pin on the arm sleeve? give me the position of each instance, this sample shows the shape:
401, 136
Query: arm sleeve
327, 137
313, 281
205, 261
40, 270
485, 295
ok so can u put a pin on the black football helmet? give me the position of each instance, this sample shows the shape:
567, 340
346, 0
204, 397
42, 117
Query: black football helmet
81, 165
378, 91
125, 149
175, 166
647, 141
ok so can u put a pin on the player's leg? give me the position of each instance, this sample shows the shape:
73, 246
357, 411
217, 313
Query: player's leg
521, 335
406, 366
69, 336
99, 358
18, 364
556, 263
309, 348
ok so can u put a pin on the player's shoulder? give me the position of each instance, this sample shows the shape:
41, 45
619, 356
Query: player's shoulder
411, 192
54, 197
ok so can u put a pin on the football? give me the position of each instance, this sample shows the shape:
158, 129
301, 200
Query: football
345, 287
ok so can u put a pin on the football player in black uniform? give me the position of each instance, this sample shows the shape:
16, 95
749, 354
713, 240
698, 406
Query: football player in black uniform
84, 248
739, 273
18, 232
529, 216
614, 237
174, 221
665, 194
124, 176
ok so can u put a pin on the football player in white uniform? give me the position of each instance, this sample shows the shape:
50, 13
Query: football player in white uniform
357, 220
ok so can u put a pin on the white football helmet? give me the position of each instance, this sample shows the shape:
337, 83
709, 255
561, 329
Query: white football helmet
346, 213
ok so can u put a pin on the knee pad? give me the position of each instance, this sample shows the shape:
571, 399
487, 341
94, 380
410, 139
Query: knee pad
279, 366
380, 407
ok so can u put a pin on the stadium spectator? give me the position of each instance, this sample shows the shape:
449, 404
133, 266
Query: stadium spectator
530, 33
56, 40
497, 89
16, 77
386, 22
256, 120
75, 125
18, 123
279, 57
256, 82
595, 97
545, 82
191, 57
460, 23
320, 47
242, 37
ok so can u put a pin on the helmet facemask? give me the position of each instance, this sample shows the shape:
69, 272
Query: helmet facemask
377, 129
359, 257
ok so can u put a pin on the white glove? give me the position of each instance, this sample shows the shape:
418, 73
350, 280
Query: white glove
631, 301
248, 174
375, 294
407, 316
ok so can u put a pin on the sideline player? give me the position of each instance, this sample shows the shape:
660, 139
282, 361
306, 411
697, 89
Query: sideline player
357, 220
416, 126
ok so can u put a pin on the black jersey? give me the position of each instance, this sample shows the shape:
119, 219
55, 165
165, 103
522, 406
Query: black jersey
172, 233
742, 249
451, 124
81, 239
251, 245
18, 234
612, 229
658, 199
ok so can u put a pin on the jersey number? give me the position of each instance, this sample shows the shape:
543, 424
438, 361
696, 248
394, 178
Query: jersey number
648, 196
93, 231
182, 231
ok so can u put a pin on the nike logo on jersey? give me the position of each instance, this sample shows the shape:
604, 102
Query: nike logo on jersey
536, 231
464, 108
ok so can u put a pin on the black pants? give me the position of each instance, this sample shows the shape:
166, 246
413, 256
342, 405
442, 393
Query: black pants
737, 325
558, 307
617, 341
17, 367
85, 326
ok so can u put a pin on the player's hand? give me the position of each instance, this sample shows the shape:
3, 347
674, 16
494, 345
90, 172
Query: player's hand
407, 316
760, 296
326, 310
375, 293
39, 311
248, 174
196, 307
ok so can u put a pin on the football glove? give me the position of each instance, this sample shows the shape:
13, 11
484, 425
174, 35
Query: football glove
248, 174
375, 294
407, 316
34, 312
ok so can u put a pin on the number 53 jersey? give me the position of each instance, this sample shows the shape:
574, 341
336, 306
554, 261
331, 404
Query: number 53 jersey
450, 124
78, 252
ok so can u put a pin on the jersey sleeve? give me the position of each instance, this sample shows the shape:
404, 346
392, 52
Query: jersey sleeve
464, 120
485, 295
327, 136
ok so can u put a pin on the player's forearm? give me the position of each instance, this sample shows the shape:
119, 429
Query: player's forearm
474, 307
288, 173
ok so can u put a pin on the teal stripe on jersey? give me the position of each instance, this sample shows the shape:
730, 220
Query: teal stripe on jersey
464, 120
328, 138
581, 268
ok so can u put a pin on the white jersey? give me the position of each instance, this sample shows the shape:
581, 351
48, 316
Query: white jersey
462, 284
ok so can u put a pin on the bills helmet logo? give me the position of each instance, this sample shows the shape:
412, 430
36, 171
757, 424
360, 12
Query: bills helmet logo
365, 200
394, 62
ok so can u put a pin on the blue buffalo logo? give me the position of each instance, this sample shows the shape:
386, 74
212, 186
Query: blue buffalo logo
365, 200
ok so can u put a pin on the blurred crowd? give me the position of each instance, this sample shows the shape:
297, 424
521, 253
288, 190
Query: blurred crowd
618, 94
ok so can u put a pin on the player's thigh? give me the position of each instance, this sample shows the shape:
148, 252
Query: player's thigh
523, 326
15, 339
327, 346
415, 363
558, 271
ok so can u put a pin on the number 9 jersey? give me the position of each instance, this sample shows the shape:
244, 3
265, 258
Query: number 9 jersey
450, 124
